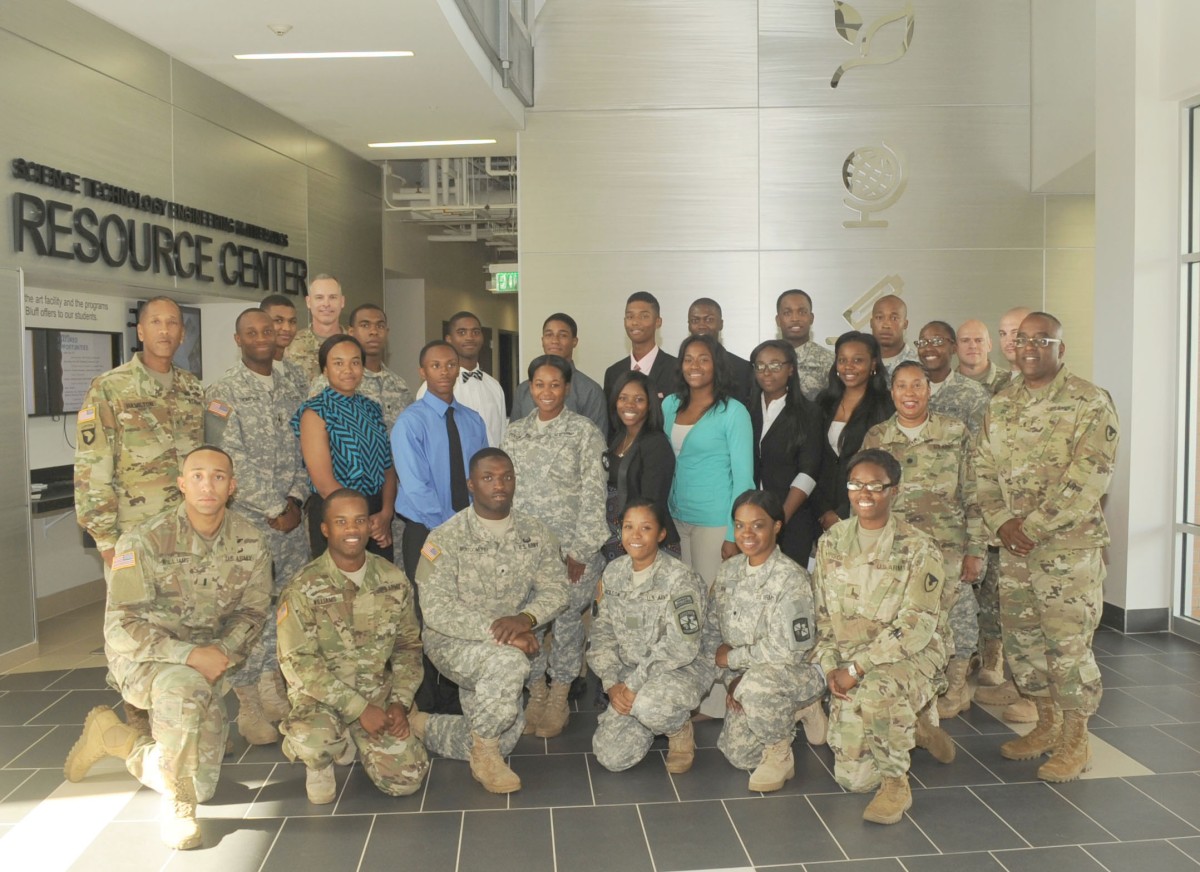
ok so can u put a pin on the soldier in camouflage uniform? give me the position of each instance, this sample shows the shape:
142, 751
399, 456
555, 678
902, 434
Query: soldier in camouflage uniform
564, 452
646, 647
951, 394
889, 320
248, 415
487, 578
1044, 462
188, 593
937, 496
350, 646
794, 317
878, 598
325, 302
761, 625
368, 324
974, 361
282, 312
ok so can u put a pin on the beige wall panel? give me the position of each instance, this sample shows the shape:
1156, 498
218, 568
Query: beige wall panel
966, 170
1070, 222
627, 54
344, 166
345, 238
67, 30
1070, 297
965, 51
196, 93
639, 181
592, 289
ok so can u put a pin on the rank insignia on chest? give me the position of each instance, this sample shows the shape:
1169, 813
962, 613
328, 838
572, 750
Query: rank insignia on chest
800, 630
430, 552
221, 410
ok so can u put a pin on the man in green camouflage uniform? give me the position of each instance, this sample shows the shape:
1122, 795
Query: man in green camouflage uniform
1044, 462
487, 579
951, 394
350, 647
794, 317
878, 588
325, 302
282, 312
974, 361
248, 415
189, 591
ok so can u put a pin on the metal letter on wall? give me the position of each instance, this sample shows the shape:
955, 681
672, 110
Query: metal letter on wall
858, 315
875, 177
849, 24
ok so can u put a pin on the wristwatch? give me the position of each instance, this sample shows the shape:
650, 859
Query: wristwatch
853, 670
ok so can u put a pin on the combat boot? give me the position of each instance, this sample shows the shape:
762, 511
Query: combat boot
272, 695
1023, 711
320, 785
252, 722
557, 711
815, 722
891, 801
957, 697
933, 738
1041, 738
103, 735
1072, 755
489, 768
137, 718
775, 768
178, 825
681, 749
535, 709
1001, 694
991, 672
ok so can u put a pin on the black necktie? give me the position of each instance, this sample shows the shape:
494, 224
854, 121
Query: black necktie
459, 495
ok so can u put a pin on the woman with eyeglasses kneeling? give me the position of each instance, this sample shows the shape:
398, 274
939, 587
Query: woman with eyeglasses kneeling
762, 615
878, 588
645, 646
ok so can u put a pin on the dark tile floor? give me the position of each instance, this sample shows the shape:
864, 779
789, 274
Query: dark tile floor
1138, 810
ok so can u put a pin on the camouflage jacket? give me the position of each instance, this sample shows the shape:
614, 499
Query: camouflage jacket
937, 487
304, 351
993, 378
881, 607
561, 479
294, 373
961, 398
1047, 457
253, 425
336, 641
467, 577
649, 626
814, 362
132, 435
172, 590
765, 615
908, 352
384, 387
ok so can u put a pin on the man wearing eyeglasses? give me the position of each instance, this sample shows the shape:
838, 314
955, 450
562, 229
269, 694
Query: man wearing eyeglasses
950, 393
1044, 461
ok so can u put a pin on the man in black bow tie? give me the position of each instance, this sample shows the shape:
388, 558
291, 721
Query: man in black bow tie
475, 389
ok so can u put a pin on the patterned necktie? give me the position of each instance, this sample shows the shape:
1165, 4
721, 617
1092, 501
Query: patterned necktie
475, 373
459, 495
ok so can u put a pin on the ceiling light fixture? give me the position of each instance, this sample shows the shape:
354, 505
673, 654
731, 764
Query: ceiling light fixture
320, 55
431, 142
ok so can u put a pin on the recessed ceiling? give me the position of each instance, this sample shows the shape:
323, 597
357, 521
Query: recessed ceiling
447, 90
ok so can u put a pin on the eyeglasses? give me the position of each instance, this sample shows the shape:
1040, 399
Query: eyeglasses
773, 366
1036, 341
935, 342
875, 487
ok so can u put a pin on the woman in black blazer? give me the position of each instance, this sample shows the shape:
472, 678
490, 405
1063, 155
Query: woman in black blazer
787, 447
639, 460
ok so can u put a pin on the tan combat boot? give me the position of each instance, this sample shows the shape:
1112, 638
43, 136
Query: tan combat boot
272, 695
815, 722
178, 825
1041, 738
775, 768
933, 738
1072, 755
535, 709
557, 711
137, 718
991, 671
1001, 694
489, 768
320, 785
252, 722
1023, 711
891, 801
681, 749
103, 735
957, 697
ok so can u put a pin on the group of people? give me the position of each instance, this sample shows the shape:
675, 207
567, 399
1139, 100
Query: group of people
950, 517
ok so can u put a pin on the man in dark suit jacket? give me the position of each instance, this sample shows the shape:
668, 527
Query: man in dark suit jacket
642, 321
704, 319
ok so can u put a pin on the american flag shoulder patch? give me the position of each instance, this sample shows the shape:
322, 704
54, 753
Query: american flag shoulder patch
124, 560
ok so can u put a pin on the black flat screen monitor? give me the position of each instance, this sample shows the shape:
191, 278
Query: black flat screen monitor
60, 366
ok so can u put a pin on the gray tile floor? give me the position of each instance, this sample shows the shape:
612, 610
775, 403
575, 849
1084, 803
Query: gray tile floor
979, 813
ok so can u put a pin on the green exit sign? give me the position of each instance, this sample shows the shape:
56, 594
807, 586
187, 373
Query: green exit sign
506, 282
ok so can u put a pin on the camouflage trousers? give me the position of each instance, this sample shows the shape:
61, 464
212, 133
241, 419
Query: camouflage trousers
770, 694
959, 625
662, 705
317, 735
871, 733
565, 658
289, 554
987, 595
491, 680
1050, 606
187, 721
